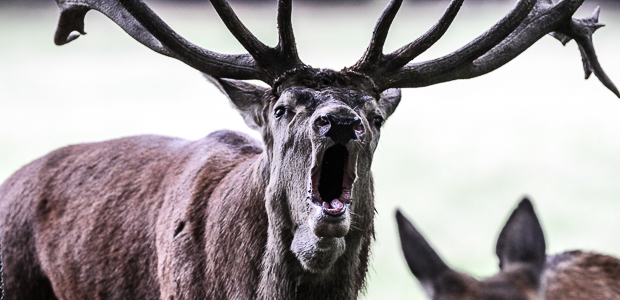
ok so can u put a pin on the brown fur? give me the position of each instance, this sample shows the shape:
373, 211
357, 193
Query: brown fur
577, 275
224, 217
93, 211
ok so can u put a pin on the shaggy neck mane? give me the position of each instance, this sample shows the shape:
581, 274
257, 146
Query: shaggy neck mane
344, 280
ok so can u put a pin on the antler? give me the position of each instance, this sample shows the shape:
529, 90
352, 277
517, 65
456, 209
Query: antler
138, 20
525, 24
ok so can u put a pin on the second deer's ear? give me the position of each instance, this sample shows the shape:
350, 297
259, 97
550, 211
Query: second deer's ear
522, 241
247, 98
423, 261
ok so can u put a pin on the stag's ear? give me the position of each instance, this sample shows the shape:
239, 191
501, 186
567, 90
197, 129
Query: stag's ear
522, 241
389, 101
246, 97
423, 261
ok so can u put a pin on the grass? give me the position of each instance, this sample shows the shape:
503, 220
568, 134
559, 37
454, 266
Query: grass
455, 157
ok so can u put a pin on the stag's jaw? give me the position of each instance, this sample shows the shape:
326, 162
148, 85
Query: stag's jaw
316, 254
319, 240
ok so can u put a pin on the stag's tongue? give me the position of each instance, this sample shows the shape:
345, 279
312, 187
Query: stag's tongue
334, 206
325, 205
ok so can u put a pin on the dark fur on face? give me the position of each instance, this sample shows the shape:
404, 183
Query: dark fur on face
224, 217
318, 79
526, 273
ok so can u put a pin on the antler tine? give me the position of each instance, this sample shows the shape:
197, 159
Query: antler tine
410, 51
275, 61
590, 62
256, 48
581, 31
374, 53
286, 44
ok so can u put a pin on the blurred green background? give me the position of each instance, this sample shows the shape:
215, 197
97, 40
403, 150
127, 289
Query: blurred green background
455, 157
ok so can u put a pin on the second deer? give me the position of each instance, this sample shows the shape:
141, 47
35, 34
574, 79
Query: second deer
526, 272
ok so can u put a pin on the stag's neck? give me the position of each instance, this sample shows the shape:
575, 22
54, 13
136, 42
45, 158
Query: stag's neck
279, 274
227, 212
283, 276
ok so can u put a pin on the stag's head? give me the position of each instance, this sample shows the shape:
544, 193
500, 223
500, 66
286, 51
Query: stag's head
520, 249
321, 127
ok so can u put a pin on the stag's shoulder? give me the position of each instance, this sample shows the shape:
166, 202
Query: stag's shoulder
97, 157
236, 141
205, 162
582, 275
144, 158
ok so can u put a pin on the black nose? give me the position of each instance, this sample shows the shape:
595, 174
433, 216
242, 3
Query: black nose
339, 129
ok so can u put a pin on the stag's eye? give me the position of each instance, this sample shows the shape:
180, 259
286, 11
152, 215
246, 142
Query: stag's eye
378, 121
280, 111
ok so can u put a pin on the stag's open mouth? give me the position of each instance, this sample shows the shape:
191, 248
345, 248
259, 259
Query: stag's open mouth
332, 181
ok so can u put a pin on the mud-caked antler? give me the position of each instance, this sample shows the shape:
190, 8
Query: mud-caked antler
138, 20
526, 23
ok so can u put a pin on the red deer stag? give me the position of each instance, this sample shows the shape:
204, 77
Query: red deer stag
227, 216
526, 273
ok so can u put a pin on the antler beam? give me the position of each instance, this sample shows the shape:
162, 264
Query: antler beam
526, 23
145, 26
139, 21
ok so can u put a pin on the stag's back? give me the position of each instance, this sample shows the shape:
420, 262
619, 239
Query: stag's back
83, 217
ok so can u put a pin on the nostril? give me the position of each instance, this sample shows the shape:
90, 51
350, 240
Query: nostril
359, 128
322, 121
323, 125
